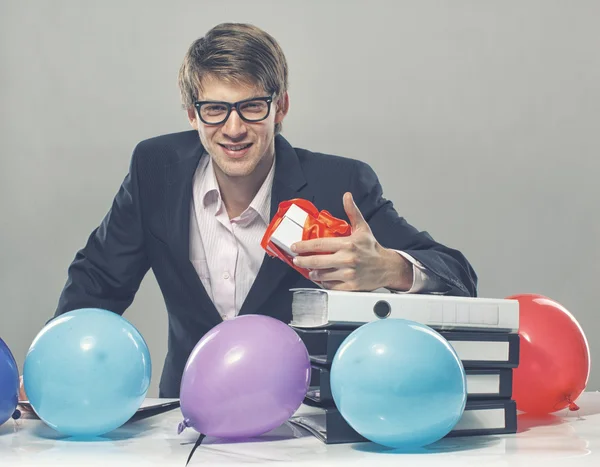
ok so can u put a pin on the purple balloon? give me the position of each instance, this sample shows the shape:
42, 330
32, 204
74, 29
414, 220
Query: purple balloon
245, 377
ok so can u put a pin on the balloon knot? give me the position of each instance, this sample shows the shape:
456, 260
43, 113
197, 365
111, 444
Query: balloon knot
16, 414
573, 407
183, 425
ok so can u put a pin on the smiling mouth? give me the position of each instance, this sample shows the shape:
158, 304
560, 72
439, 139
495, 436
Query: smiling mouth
236, 147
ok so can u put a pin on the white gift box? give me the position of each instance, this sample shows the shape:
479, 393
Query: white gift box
290, 229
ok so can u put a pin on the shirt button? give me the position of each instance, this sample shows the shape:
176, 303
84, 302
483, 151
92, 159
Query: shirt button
226, 275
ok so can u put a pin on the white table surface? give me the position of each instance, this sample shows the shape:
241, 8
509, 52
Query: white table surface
564, 439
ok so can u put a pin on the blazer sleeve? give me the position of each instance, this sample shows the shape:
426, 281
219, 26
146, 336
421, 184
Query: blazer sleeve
108, 271
392, 231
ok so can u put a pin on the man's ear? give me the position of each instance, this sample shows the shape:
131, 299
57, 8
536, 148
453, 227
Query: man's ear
193, 117
283, 106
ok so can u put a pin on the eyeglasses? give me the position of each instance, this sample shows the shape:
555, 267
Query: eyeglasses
252, 110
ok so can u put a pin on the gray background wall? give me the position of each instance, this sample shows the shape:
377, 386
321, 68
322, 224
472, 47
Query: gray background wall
481, 118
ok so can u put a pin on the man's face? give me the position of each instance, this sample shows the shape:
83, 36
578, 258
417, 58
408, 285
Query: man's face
236, 146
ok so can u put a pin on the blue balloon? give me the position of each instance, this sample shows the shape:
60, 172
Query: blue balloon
87, 372
398, 383
9, 383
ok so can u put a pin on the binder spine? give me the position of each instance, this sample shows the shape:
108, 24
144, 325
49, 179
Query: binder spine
322, 346
505, 376
338, 431
318, 308
320, 395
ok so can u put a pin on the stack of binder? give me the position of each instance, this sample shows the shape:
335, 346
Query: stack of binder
482, 331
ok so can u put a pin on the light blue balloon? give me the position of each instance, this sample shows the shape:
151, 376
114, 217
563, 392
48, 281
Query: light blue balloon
87, 372
398, 383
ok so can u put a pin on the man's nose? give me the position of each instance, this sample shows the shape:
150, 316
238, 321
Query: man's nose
234, 127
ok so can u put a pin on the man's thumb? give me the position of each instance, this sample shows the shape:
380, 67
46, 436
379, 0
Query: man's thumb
354, 215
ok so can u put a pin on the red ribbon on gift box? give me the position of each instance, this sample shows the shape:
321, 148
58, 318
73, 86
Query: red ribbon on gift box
319, 224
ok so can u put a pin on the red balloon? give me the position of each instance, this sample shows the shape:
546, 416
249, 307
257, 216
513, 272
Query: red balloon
554, 357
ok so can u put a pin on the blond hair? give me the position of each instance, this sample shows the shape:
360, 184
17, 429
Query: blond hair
235, 52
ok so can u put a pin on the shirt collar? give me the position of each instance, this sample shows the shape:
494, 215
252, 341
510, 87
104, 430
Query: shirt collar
209, 194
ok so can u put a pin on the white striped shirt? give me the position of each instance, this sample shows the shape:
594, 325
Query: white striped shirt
226, 253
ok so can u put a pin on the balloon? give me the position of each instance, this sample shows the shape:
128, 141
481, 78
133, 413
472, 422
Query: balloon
245, 377
87, 372
9, 383
398, 383
554, 356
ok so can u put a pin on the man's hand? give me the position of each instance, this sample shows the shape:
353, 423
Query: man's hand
356, 262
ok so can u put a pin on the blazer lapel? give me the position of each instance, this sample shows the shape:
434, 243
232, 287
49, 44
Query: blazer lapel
180, 177
288, 183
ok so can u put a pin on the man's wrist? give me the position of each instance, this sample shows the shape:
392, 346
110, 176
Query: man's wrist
399, 271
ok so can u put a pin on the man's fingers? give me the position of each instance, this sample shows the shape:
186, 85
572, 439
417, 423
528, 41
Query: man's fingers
337, 285
333, 275
334, 261
324, 275
320, 245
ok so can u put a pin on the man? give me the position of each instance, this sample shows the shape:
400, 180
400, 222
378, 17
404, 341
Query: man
195, 205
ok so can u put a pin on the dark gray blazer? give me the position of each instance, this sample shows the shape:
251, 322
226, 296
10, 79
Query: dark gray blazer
148, 227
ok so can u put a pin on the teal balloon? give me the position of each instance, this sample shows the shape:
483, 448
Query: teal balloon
87, 372
398, 383
9, 383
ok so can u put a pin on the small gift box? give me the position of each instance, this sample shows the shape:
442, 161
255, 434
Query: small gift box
296, 220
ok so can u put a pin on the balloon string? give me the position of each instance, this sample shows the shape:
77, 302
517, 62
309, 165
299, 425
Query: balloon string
198, 443
16, 416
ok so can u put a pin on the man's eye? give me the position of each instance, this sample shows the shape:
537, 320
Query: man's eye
214, 109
